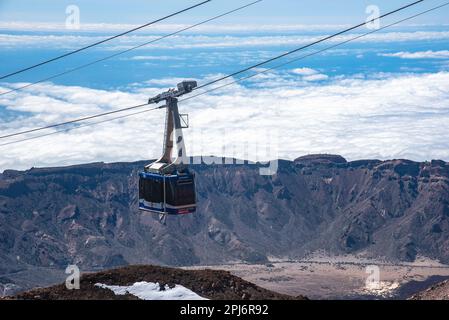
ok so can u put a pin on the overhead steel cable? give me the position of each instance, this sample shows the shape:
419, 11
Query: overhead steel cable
127, 50
101, 41
236, 81
125, 109
75, 120
80, 126
308, 45
317, 52
129, 108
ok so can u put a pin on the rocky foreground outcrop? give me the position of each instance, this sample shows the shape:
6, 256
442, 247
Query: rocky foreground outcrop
439, 291
210, 284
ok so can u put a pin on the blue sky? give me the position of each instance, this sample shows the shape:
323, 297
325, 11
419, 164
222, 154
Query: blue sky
383, 96
268, 11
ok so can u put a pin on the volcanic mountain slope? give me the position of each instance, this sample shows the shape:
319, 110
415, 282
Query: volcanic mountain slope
210, 284
87, 214
439, 291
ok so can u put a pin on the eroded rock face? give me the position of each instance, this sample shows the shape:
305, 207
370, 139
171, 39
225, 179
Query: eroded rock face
88, 214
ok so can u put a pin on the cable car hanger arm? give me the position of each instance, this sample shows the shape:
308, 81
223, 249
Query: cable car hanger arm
182, 88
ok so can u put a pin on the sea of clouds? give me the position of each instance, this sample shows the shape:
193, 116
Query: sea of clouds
380, 116
204, 41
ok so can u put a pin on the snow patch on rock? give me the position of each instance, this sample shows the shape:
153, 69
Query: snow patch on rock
153, 291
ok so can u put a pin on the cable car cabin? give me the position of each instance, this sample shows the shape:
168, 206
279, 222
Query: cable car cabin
166, 186
167, 194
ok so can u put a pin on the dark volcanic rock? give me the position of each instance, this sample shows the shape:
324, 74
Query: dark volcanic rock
88, 214
321, 158
211, 284
439, 291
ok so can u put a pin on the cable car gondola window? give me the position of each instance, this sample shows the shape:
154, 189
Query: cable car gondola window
151, 190
185, 193
170, 191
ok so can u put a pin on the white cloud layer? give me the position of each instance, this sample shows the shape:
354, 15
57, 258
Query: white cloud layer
190, 41
389, 116
309, 74
443, 54
154, 58
304, 71
167, 27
